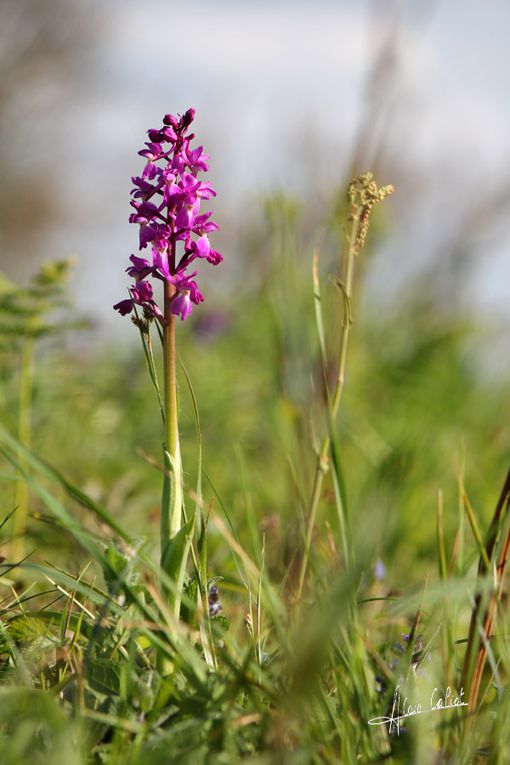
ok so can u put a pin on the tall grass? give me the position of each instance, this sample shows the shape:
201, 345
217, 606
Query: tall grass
296, 501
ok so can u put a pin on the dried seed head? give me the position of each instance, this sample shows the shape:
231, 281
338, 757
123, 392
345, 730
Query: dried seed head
362, 194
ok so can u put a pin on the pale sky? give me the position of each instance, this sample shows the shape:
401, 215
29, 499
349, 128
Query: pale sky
264, 77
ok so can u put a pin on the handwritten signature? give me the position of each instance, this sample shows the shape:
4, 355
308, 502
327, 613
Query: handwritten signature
401, 709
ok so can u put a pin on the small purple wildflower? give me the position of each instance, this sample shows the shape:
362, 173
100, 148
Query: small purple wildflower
379, 570
214, 601
211, 325
166, 201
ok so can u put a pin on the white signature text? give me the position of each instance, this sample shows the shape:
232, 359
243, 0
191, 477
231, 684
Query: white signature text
402, 708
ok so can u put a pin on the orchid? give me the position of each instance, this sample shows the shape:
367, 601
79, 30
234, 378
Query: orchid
173, 230
166, 200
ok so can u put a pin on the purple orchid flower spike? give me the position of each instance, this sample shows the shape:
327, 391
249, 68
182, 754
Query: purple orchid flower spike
166, 200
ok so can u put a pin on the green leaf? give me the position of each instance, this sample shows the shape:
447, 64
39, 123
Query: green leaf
117, 560
174, 560
104, 676
54, 475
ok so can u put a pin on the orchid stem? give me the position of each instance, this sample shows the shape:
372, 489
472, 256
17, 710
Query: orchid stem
171, 509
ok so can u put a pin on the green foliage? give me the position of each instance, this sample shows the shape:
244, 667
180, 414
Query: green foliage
272, 679
32, 311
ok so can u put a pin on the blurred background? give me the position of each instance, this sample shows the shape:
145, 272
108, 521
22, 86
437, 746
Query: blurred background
289, 96
292, 99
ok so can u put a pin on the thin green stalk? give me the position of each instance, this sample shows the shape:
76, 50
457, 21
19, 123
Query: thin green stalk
171, 509
24, 437
362, 194
446, 628
149, 358
322, 459
483, 613
200, 556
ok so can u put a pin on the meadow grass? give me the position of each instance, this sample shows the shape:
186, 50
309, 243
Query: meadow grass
325, 614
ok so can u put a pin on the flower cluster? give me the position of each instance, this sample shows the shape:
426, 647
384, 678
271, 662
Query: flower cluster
166, 199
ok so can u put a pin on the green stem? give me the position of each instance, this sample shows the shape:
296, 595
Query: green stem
24, 433
171, 510
322, 458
